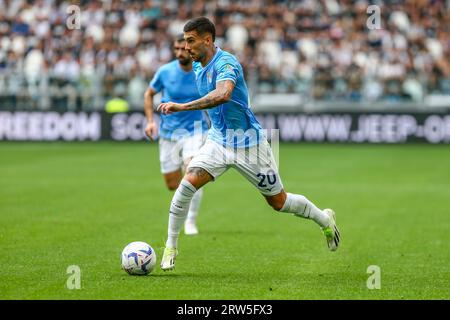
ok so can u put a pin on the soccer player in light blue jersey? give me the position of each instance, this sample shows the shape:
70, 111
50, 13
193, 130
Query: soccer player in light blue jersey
234, 140
180, 134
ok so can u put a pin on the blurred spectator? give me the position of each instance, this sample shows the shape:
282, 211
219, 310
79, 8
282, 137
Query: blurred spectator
67, 68
237, 35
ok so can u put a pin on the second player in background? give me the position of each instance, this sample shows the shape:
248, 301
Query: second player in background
180, 136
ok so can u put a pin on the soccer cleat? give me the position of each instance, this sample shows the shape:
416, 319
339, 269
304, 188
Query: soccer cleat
168, 259
190, 227
332, 232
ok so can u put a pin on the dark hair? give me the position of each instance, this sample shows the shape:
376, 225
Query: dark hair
201, 25
179, 37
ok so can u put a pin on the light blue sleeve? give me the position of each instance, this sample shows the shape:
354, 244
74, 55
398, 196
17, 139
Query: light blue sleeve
156, 83
227, 69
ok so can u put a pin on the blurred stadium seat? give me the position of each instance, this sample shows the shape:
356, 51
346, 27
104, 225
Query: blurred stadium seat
320, 51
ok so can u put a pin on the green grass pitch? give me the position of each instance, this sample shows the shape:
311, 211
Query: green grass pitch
81, 203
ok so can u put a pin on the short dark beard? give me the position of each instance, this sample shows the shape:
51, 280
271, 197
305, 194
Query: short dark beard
184, 62
199, 58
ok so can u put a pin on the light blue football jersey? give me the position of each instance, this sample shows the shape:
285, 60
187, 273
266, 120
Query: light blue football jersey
233, 124
177, 86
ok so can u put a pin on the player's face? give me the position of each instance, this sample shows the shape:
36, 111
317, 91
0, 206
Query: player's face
196, 45
180, 53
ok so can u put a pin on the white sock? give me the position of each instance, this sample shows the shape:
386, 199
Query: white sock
302, 207
195, 205
178, 211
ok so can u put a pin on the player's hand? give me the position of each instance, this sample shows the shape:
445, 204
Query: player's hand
151, 129
169, 107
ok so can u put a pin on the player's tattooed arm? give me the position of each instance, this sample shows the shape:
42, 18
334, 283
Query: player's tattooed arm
220, 95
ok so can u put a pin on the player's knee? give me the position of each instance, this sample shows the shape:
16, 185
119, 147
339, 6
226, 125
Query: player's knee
172, 180
198, 177
276, 204
172, 186
277, 201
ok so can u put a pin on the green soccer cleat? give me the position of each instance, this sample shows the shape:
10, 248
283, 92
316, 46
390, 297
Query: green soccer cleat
168, 259
332, 232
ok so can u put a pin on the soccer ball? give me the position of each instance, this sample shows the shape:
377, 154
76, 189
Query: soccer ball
138, 258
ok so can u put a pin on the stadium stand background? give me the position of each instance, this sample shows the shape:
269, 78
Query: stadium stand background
296, 54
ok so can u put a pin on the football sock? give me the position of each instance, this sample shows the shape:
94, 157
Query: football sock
178, 211
302, 207
195, 205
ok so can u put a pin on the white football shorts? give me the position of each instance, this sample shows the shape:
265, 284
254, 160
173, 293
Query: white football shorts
172, 154
256, 164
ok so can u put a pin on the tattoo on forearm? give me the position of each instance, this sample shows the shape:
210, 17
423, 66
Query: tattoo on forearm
211, 100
